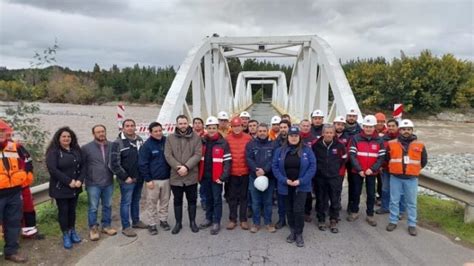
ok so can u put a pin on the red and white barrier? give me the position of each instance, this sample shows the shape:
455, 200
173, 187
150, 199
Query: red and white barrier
397, 111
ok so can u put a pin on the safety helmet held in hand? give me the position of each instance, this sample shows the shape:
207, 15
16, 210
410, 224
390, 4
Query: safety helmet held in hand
261, 183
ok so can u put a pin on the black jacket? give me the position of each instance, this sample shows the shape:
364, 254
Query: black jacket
123, 160
259, 154
330, 158
316, 131
63, 167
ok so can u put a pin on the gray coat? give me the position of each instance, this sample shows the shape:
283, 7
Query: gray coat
97, 170
183, 149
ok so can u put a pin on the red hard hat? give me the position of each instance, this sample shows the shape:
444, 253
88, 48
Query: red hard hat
380, 117
236, 121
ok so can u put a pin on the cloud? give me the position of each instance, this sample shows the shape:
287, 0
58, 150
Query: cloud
161, 33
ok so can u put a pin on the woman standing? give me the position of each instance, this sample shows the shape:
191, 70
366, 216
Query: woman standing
294, 165
64, 162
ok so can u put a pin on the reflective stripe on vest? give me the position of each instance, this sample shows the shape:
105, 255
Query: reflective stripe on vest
412, 163
11, 175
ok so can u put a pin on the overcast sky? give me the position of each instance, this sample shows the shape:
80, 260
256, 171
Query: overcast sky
160, 33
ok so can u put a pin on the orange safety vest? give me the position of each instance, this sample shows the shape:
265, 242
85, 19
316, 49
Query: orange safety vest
11, 175
412, 162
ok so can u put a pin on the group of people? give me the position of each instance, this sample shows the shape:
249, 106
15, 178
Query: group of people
249, 163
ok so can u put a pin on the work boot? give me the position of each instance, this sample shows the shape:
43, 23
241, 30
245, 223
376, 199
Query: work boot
215, 229
231, 225
205, 224
192, 219
307, 218
382, 211
17, 258
292, 237
75, 238
244, 225
391, 227
412, 230
140, 225
128, 232
322, 226
94, 233
254, 229
109, 231
352, 217
371, 220
67, 243
178, 214
152, 230
281, 223
333, 226
165, 226
299, 240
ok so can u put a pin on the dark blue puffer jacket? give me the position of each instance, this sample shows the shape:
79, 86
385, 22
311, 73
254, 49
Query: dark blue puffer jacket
151, 160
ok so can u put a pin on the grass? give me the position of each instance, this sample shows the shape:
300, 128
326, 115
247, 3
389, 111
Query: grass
446, 215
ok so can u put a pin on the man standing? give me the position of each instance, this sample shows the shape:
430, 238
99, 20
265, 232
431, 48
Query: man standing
252, 128
275, 130
156, 172
367, 154
308, 139
259, 155
282, 139
331, 156
198, 127
223, 118
124, 164
352, 128
406, 157
283, 136
317, 120
10, 194
339, 125
183, 153
99, 182
245, 116
239, 175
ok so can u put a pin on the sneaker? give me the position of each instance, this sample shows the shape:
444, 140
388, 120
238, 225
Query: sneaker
299, 240
215, 229
271, 228
140, 225
382, 211
152, 230
371, 220
165, 226
307, 218
352, 217
391, 227
109, 231
231, 225
254, 229
128, 232
94, 233
333, 226
244, 225
322, 226
412, 230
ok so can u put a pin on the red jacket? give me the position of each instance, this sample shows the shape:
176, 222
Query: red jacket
221, 159
367, 152
237, 145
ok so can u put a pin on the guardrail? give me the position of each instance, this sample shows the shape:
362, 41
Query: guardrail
450, 188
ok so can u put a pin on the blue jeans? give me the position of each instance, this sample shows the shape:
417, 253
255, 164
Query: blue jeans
386, 193
130, 203
213, 200
104, 195
409, 188
262, 200
203, 195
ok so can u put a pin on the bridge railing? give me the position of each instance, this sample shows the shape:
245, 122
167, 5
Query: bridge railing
450, 188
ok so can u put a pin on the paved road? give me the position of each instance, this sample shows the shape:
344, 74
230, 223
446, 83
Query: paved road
357, 243
262, 112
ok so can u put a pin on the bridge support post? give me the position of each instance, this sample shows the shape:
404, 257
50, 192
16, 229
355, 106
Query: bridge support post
468, 214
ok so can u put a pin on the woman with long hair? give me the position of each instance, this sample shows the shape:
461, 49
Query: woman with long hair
64, 163
294, 166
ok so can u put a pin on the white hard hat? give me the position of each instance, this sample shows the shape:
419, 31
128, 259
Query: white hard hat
245, 114
261, 183
406, 123
275, 120
212, 120
369, 120
352, 111
340, 119
317, 113
223, 115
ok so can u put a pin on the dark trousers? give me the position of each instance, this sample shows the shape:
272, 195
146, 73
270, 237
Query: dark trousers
350, 188
238, 189
370, 190
191, 195
379, 185
67, 213
308, 205
213, 200
295, 202
328, 190
10, 216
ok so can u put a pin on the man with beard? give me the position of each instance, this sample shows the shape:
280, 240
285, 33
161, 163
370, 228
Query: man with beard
352, 128
308, 139
406, 157
223, 118
275, 129
317, 120
183, 153
282, 139
245, 116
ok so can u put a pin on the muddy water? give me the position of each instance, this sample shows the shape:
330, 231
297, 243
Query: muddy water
439, 136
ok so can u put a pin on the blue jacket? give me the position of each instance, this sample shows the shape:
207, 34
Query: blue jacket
259, 154
307, 169
151, 160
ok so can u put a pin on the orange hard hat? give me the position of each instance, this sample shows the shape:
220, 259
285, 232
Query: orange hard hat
5, 126
236, 121
380, 117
